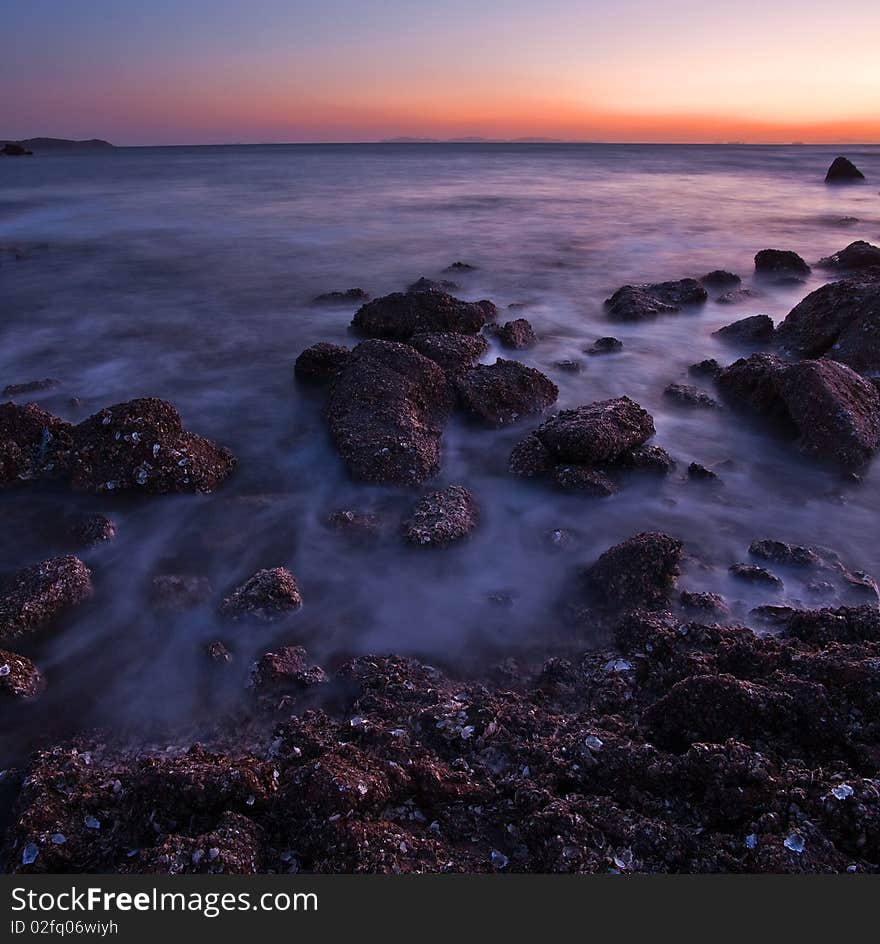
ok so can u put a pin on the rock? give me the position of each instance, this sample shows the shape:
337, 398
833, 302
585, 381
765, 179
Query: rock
401, 315
605, 346
857, 255
35, 597
432, 285
780, 262
754, 574
269, 595
737, 296
33, 386
349, 296
218, 652
460, 267
12, 149
174, 592
504, 392
756, 329
34, 444
699, 472
355, 523
453, 352
647, 458
142, 446
530, 458
636, 302
579, 478
639, 572
839, 320
791, 555
688, 395
569, 366
89, 530
285, 672
516, 334
442, 518
834, 412
386, 412
845, 624
719, 278
321, 362
19, 677
842, 170
707, 368
704, 602
598, 433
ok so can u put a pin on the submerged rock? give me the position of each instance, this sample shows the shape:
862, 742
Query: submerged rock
581, 478
174, 592
32, 386
737, 296
639, 572
780, 262
432, 285
719, 278
636, 302
607, 345
402, 314
701, 601
833, 412
460, 267
517, 334
857, 255
321, 362
688, 395
707, 368
386, 412
35, 597
142, 446
286, 671
752, 573
698, 472
756, 329
89, 530
453, 352
349, 296
269, 595
842, 170
355, 523
19, 677
504, 392
792, 555
442, 518
34, 444
840, 320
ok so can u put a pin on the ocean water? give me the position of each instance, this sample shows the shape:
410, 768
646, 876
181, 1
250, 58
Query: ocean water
187, 273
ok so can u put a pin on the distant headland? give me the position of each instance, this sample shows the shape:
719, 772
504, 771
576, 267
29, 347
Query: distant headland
34, 145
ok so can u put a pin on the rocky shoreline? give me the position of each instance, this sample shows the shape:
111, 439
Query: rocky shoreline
653, 728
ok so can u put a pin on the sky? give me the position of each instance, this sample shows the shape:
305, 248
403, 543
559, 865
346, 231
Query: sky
222, 71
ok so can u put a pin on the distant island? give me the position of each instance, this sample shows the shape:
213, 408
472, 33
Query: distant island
32, 145
474, 140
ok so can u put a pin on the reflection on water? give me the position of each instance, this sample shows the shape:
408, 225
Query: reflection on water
186, 274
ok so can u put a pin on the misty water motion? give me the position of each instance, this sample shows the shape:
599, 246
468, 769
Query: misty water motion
188, 274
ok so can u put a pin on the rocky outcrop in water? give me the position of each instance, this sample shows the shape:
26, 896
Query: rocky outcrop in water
756, 329
637, 302
780, 262
857, 255
442, 518
638, 572
386, 412
142, 446
517, 334
321, 362
19, 677
453, 352
842, 170
401, 315
605, 346
33, 598
720, 278
504, 392
338, 299
833, 413
690, 396
34, 444
268, 595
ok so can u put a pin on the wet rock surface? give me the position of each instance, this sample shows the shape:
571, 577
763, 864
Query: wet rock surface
690, 396
346, 297
321, 362
268, 595
639, 572
442, 518
842, 170
833, 413
857, 255
780, 262
452, 352
606, 345
34, 444
840, 320
33, 598
720, 278
91, 530
402, 314
19, 677
30, 386
517, 334
142, 446
638, 302
756, 329
386, 413
504, 392
174, 592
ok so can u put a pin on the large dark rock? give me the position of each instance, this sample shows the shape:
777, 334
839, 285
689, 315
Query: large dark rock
34, 444
720, 278
34, 597
780, 262
504, 392
386, 412
606, 345
756, 329
268, 595
639, 572
833, 412
401, 315
141, 445
595, 434
453, 352
636, 302
857, 255
321, 362
841, 319
441, 518
842, 170
517, 334
19, 677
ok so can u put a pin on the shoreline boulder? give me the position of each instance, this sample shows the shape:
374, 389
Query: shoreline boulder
857, 255
598, 433
34, 597
639, 572
517, 334
441, 518
780, 262
504, 392
842, 170
34, 444
399, 316
268, 595
321, 362
637, 302
452, 352
19, 677
756, 329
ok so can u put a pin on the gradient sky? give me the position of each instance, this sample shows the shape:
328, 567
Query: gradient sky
210, 71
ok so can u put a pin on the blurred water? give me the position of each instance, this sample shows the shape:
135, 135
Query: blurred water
186, 273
